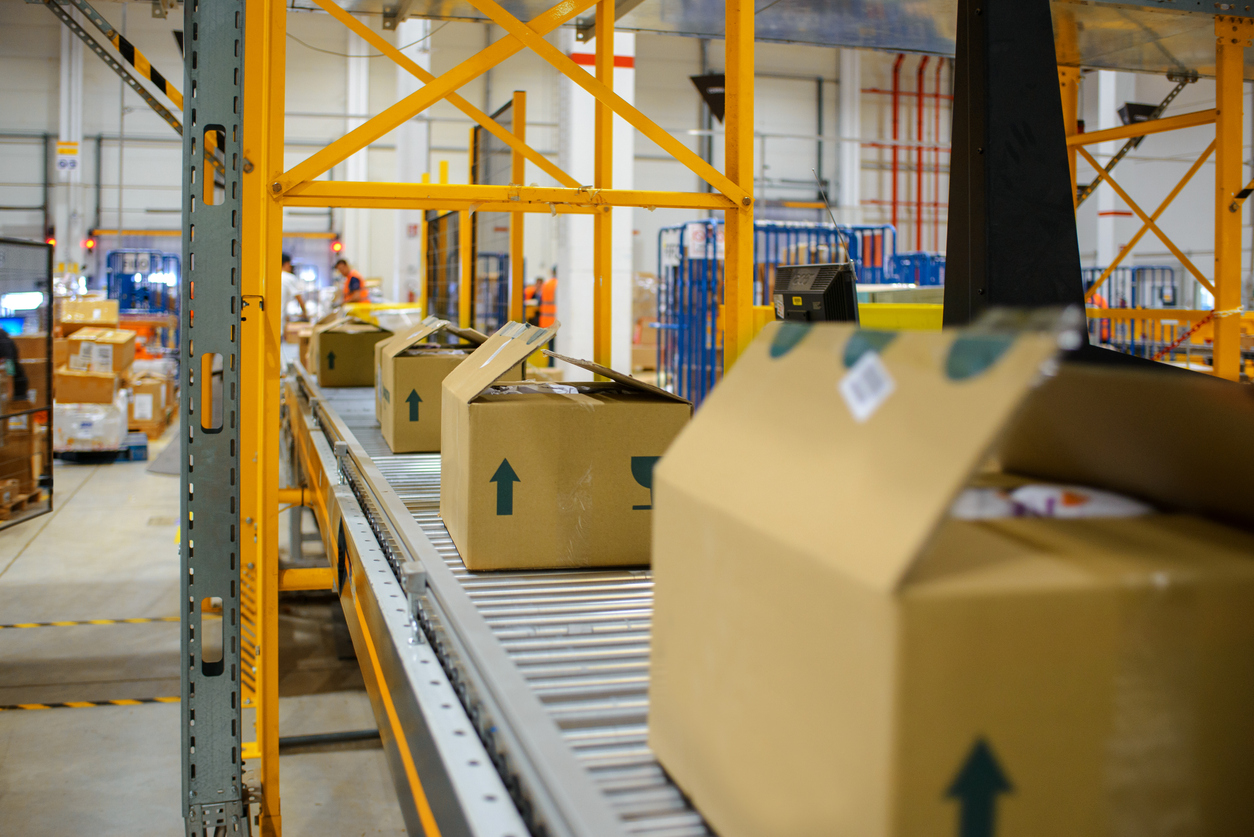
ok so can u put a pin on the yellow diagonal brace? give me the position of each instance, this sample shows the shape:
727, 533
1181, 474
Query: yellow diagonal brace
418, 101
1127, 248
1145, 219
534, 40
489, 124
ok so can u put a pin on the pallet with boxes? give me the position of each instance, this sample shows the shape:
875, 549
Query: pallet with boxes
100, 391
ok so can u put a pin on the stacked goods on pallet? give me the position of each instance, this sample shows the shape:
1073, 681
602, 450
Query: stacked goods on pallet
151, 404
92, 387
21, 458
83, 313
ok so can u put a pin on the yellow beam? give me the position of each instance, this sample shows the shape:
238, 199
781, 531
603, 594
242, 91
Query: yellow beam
418, 101
534, 40
466, 273
1069, 87
307, 578
408, 195
603, 174
1147, 221
261, 242
295, 497
518, 175
439, 205
1232, 36
1141, 129
515, 141
738, 226
1188, 315
1127, 248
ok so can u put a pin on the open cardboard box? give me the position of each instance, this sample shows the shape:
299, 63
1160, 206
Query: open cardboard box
342, 352
543, 475
833, 653
409, 373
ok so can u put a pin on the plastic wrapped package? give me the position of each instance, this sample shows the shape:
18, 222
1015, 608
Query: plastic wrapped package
83, 427
165, 367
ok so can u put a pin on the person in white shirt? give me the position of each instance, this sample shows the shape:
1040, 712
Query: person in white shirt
290, 294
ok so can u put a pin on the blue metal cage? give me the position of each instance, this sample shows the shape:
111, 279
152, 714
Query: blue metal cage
690, 285
143, 280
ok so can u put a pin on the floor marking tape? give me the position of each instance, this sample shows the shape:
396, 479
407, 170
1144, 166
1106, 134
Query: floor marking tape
83, 704
133, 621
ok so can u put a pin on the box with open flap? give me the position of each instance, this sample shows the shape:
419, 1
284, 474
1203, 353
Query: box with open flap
834, 652
542, 475
409, 371
342, 352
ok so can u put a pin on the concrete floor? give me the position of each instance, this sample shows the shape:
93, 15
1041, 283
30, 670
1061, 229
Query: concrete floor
108, 551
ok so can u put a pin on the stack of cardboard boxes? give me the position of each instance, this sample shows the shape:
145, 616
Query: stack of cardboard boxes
93, 361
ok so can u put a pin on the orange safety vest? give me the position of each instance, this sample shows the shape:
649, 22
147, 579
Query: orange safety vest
548, 303
355, 288
1103, 327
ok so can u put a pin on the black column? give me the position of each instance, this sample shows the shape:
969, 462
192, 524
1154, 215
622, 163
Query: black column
1012, 233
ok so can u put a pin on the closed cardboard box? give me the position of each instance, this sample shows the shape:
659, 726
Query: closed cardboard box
38, 382
31, 346
101, 350
78, 313
77, 387
539, 475
149, 407
60, 352
342, 352
409, 374
834, 652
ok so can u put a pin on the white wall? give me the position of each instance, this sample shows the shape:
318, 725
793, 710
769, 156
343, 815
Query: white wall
317, 100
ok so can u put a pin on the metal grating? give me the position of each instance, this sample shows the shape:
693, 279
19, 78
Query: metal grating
579, 638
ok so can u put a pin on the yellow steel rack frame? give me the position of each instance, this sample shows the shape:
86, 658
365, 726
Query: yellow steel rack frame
270, 186
1232, 36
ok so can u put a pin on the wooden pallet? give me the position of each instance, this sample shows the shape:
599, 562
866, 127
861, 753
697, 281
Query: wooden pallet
19, 503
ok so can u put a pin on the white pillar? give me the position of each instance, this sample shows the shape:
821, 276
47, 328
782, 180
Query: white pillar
357, 106
69, 217
1113, 90
577, 126
413, 159
849, 169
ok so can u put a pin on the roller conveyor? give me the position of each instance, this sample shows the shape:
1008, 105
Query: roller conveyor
578, 640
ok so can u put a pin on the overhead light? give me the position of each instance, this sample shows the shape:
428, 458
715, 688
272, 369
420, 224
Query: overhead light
22, 300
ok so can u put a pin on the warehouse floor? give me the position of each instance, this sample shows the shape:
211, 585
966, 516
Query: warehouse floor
108, 552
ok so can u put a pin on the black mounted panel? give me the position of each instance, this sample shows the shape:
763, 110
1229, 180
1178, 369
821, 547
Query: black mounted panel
1012, 233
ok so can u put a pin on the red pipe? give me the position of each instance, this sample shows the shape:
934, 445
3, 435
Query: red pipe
918, 157
896, 101
936, 122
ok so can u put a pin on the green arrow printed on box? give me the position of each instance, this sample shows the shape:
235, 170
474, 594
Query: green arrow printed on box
504, 479
413, 401
979, 782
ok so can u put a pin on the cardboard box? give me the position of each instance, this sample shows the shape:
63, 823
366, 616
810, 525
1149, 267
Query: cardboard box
77, 387
38, 382
101, 350
16, 455
833, 653
60, 352
409, 373
342, 352
31, 346
149, 407
78, 313
549, 475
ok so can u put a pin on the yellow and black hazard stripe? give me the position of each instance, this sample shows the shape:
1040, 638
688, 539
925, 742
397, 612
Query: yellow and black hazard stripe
84, 704
139, 620
141, 64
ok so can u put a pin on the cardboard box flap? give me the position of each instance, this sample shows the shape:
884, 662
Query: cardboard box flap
509, 346
1137, 433
427, 329
617, 377
850, 444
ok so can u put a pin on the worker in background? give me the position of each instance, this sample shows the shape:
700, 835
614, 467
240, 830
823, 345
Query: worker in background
290, 293
548, 301
531, 301
354, 285
548, 306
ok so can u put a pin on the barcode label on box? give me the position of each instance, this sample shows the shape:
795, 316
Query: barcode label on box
80, 363
143, 407
866, 386
102, 357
